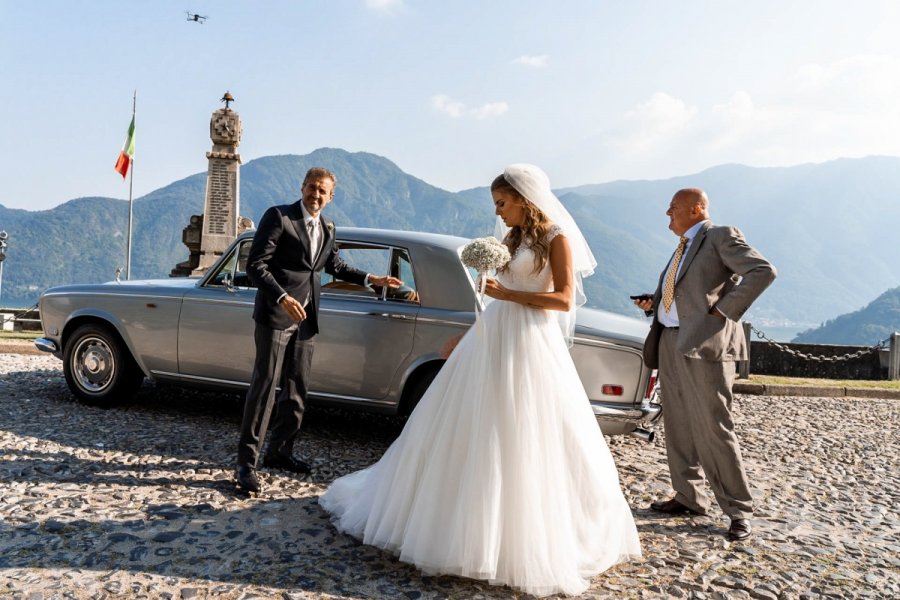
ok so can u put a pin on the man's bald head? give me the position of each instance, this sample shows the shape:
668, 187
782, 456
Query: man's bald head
688, 207
695, 196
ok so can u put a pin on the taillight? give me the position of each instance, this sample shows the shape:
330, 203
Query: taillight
612, 390
651, 383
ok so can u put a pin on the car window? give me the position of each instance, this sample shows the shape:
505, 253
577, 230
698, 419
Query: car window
376, 260
401, 267
371, 259
236, 264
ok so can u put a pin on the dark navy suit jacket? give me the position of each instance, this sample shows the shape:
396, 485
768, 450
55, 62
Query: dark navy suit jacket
280, 262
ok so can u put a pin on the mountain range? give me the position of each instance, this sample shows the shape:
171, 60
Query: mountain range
827, 227
867, 326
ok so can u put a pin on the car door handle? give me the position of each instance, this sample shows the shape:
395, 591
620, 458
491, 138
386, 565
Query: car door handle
397, 316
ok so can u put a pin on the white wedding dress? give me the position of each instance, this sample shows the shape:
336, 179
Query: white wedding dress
501, 472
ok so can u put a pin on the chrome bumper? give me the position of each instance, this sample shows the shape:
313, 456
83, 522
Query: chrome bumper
637, 421
645, 414
46, 345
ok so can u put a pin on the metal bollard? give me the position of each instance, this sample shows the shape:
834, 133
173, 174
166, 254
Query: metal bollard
894, 357
744, 365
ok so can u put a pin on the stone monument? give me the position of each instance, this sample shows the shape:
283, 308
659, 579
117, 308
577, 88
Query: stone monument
208, 235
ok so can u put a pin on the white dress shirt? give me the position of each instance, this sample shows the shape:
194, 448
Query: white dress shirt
670, 318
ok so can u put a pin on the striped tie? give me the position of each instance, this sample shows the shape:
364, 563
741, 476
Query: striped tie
669, 287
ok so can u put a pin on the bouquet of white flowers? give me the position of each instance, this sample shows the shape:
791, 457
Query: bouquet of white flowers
485, 254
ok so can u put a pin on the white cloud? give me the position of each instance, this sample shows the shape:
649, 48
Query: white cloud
445, 105
856, 83
536, 61
384, 5
730, 122
847, 107
459, 110
653, 122
844, 108
492, 109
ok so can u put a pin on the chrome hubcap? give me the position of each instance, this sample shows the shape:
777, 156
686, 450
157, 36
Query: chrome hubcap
93, 364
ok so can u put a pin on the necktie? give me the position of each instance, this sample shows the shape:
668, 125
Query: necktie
669, 287
313, 230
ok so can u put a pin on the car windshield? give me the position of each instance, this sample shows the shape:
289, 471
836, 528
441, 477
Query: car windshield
235, 267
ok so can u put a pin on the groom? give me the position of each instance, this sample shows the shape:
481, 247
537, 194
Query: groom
292, 246
694, 341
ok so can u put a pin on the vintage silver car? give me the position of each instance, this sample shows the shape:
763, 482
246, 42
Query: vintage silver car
378, 349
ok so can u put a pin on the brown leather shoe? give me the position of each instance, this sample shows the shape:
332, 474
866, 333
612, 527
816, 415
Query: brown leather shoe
740, 530
671, 507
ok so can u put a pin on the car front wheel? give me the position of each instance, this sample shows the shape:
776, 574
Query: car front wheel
98, 366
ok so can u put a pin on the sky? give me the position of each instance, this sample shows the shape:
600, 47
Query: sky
451, 92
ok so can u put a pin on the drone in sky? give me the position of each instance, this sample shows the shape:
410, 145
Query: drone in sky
195, 17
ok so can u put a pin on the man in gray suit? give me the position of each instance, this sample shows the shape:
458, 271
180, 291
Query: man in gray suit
694, 341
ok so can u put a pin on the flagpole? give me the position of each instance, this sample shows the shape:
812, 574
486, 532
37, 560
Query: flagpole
130, 201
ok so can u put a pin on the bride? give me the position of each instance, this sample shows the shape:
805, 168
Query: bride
501, 472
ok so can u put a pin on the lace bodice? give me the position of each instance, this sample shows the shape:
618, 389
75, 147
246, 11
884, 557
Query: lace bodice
521, 276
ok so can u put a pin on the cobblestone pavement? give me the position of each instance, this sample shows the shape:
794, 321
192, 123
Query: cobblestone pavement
137, 502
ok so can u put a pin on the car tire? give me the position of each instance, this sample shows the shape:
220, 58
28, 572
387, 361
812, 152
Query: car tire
98, 367
417, 388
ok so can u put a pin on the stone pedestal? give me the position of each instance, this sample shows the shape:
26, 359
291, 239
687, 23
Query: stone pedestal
190, 237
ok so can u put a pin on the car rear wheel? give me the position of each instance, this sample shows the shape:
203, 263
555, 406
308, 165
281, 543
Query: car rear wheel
98, 367
417, 388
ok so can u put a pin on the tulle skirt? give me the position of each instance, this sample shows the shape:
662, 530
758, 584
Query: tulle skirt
501, 472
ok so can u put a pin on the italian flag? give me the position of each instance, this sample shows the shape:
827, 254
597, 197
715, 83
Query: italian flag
127, 153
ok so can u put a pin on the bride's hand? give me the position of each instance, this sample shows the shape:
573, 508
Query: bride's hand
494, 289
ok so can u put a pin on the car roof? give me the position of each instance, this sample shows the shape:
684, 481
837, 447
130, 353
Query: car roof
394, 237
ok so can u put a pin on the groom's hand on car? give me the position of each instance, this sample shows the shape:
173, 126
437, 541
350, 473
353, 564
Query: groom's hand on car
385, 280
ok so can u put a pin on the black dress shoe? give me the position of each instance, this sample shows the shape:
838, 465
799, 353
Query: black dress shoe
287, 463
671, 507
245, 477
740, 530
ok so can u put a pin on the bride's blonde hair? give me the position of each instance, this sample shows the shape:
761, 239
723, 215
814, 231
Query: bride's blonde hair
533, 231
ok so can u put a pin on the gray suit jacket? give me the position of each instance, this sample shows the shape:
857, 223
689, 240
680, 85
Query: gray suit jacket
720, 270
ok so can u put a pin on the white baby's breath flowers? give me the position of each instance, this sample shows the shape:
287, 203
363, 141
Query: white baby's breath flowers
485, 254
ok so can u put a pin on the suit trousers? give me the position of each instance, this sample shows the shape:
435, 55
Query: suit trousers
697, 401
283, 359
